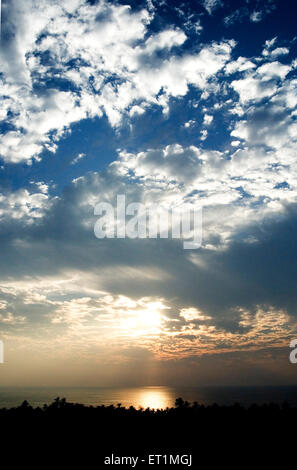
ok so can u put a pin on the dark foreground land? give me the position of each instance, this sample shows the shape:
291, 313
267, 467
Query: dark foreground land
63, 434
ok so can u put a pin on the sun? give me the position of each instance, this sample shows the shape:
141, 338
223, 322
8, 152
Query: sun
145, 320
142, 318
149, 319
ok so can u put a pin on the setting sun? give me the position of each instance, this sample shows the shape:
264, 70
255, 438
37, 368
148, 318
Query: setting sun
149, 319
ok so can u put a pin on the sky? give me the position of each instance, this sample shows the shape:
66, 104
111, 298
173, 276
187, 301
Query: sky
169, 103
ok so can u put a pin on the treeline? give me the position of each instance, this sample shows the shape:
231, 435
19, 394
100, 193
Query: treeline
61, 407
221, 434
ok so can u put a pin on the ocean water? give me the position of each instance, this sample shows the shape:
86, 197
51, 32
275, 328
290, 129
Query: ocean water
153, 397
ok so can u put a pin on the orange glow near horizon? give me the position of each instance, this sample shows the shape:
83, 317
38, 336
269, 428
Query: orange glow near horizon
154, 397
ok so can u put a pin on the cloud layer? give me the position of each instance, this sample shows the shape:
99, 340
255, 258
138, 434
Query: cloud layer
226, 120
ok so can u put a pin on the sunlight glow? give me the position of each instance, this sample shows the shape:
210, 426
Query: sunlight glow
155, 397
149, 319
146, 320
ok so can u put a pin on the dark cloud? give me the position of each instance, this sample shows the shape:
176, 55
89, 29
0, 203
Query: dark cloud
243, 275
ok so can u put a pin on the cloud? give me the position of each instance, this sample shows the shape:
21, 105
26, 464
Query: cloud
236, 15
79, 157
24, 205
268, 125
278, 51
204, 134
273, 69
115, 69
239, 65
172, 163
99, 298
261, 82
256, 16
165, 39
207, 120
172, 175
10, 319
114, 298
72, 309
212, 5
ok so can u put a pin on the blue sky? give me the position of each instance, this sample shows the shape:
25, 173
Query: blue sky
168, 103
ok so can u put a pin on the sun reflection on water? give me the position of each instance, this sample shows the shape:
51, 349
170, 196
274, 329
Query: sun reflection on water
154, 397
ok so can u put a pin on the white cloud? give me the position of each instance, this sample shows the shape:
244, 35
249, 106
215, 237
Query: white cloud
207, 119
252, 88
244, 12
116, 72
211, 5
172, 163
267, 126
261, 82
270, 42
190, 314
204, 134
276, 52
79, 157
260, 158
239, 65
271, 51
136, 110
273, 69
256, 16
165, 39
190, 123
25, 205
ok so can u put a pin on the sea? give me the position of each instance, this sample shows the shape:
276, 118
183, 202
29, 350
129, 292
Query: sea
157, 397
